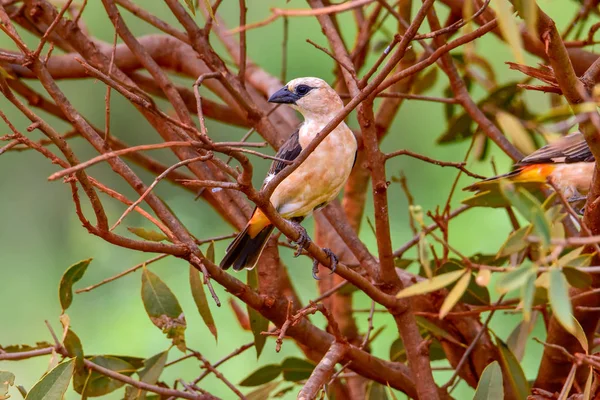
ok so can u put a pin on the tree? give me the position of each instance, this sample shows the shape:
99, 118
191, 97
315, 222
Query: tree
542, 270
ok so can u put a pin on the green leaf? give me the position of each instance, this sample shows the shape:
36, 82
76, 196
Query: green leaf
490, 384
6, 379
581, 336
514, 130
583, 260
425, 81
430, 285
201, 302
73, 274
376, 391
459, 128
210, 252
517, 341
262, 375
529, 206
163, 308
577, 278
474, 294
513, 371
438, 332
54, 384
516, 241
402, 263
455, 294
258, 323
559, 300
509, 28
263, 392
190, 6
436, 351
397, 351
93, 384
74, 348
587, 392
528, 296
514, 279
527, 9
296, 369
153, 368
148, 234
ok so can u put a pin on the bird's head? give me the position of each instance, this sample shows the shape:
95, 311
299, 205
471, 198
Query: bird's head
313, 97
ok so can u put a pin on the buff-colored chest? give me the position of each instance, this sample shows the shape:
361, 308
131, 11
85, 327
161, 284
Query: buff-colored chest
319, 179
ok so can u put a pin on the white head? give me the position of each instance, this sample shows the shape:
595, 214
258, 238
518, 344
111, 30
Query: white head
313, 97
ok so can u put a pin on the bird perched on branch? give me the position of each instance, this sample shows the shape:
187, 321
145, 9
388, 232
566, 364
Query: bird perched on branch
568, 162
316, 182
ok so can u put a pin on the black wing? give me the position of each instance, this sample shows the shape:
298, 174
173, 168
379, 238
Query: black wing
288, 151
569, 149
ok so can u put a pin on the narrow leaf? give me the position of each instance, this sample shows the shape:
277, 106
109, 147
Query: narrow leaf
153, 368
510, 30
455, 294
587, 392
376, 391
577, 278
93, 384
581, 336
163, 308
258, 323
437, 331
190, 6
397, 351
54, 384
210, 252
262, 392
517, 341
296, 369
513, 371
513, 129
515, 242
528, 296
148, 234
490, 384
514, 279
559, 300
262, 375
201, 302
430, 285
73, 274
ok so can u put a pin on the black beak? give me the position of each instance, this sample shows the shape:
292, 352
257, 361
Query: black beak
284, 96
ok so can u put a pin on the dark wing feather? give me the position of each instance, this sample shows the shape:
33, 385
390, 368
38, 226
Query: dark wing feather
288, 151
569, 149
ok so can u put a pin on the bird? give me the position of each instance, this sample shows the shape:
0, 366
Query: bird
315, 183
568, 162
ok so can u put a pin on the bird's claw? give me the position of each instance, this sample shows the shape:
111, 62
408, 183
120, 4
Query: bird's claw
334, 263
303, 239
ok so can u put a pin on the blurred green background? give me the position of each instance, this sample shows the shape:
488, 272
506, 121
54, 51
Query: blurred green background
41, 236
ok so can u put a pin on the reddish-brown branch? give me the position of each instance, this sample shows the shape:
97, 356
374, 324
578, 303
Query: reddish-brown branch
323, 371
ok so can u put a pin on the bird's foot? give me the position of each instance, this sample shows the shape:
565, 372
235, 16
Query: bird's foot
334, 263
303, 239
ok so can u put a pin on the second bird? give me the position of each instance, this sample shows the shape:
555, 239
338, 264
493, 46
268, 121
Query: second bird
316, 182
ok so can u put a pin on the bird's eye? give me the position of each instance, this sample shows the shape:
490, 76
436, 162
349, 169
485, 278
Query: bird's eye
302, 90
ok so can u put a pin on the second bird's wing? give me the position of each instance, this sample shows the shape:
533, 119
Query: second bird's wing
569, 149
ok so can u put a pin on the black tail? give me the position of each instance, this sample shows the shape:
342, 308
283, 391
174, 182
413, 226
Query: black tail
244, 251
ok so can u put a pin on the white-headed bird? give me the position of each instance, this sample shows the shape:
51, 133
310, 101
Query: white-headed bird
315, 183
